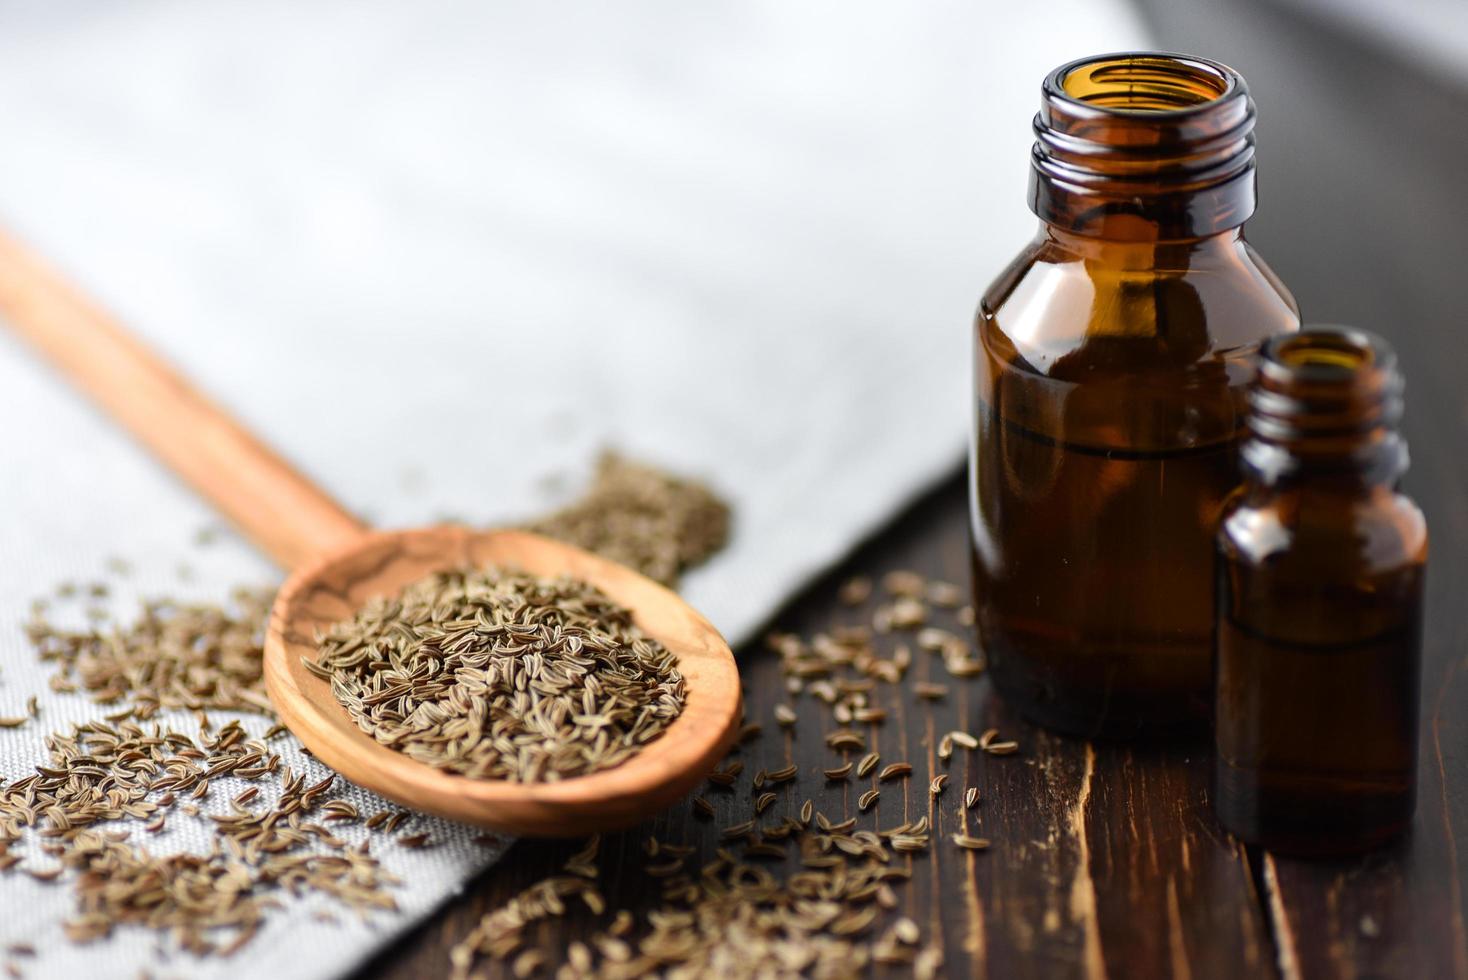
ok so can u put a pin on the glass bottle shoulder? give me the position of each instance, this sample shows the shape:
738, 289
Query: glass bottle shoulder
1323, 534
1069, 307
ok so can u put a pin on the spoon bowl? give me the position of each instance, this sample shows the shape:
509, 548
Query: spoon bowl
334, 587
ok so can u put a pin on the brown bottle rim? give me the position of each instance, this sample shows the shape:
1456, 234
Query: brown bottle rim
1229, 84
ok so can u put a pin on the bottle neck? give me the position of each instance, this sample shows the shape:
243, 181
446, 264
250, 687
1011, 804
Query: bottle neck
1144, 147
1145, 255
1323, 412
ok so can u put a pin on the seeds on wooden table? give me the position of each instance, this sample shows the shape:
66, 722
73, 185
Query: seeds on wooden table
867, 764
927, 963
765, 801
855, 591
840, 772
971, 843
785, 774
907, 613
528, 963
866, 799
894, 771
964, 667
936, 786
502, 931
496, 674
964, 739
930, 691
665, 869
703, 806
933, 639
906, 931
944, 594
846, 739
735, 831
970, 797
945, 747
904, 583
785, 715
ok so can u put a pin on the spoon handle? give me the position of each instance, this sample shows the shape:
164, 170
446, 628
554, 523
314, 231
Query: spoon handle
284, 513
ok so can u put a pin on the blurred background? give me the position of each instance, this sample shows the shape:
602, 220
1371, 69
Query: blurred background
443, 253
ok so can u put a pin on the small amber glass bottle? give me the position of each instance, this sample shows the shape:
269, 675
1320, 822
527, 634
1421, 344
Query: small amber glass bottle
1111, 360
1320, 575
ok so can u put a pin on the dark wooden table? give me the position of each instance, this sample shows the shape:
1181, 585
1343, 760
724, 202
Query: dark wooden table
1106, 857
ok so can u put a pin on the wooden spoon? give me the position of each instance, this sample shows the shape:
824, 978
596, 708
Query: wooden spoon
339, 563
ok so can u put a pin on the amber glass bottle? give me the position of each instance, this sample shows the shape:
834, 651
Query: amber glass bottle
1320, 575
1110, 364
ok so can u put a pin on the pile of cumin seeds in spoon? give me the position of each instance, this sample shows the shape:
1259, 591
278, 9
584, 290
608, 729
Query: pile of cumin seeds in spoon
497, 674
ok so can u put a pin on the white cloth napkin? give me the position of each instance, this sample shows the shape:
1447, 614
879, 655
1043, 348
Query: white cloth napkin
439, 253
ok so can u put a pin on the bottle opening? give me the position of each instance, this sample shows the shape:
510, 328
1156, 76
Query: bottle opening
1326, 399
1143, 146
1145, 83
1325, 354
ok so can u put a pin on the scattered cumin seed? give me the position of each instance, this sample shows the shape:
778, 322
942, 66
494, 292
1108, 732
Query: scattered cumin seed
904, 583
734, 831
846, 739
964, 739
784, 775
855, 591
894, 771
